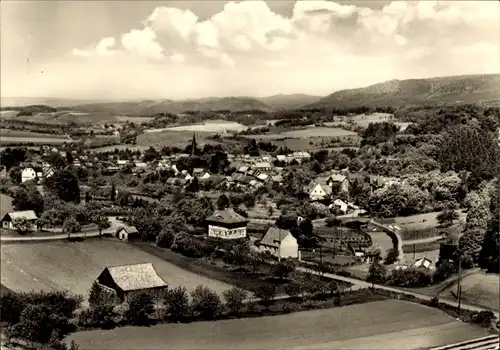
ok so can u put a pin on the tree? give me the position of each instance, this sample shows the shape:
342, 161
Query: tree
70, 226
113, 193
95, 214
28, 198
177, 304
475, 229
234, 299
266, 292
293, 289
223, 202
23, 225
141, 307
392, 256
11, 306
69, 158
101, 316
194, 185
64, 184
205, 303
15, 174
99, 296
283, 269
376, 273
447, 216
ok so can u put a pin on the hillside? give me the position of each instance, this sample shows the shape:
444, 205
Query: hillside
432, 91
151, 108
289, 101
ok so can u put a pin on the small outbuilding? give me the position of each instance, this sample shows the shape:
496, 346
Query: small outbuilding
280, 243
126, 279
8, 219
127, 233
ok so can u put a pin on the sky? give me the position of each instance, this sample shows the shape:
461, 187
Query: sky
192, 49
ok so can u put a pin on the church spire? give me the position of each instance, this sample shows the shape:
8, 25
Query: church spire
193, 145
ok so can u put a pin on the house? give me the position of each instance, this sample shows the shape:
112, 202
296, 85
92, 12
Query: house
28, 174
281, 158
340, 205
262, 166
226, 224
9, 218
206, 175
340, 180
126, 279
423, 262
279, 243
277, 179
127, 233
141, 165
121, 162
318, 189
197, 172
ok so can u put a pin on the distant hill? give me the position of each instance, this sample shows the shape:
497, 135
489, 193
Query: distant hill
150, 108
432, 91
289, 101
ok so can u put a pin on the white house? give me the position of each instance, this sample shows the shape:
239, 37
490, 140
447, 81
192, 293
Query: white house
262, 166
340, 205
423, 262
227, 224
28, 174
205, 176
319, 190
9, 218
280, 243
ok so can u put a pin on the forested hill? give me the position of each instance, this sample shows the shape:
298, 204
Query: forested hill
461, 89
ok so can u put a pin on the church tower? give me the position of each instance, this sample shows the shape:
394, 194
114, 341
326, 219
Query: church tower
193, 145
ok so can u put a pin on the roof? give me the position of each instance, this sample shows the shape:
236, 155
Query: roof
337, 177
262, 165
129, 229
136, 277
226, 216
274, 234
281, 157
197, 170
28, 214
243, 169
277, 178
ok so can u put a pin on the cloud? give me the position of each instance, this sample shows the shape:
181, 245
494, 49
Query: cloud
320, 46
102, 48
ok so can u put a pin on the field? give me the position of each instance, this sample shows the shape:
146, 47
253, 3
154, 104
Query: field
421, 221
216, 126
171, 138
74, 266
391, 324
307, 133
5, 204
479, 289
29, 134
136, 120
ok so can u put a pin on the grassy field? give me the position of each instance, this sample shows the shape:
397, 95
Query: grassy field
29, 134
5, 204
422, 221
173, 138
74, 266
307, 133
216, 126
391, 324
479, 289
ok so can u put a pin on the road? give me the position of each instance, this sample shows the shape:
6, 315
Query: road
55, 237
423, 240
358, 284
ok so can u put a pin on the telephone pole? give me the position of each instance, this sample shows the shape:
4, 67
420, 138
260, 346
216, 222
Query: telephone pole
459, 287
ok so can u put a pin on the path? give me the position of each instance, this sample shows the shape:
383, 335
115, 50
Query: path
55, 237
423, 240
359, 284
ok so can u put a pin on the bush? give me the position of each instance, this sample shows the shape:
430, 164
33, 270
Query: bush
265, 292
344, 273
392, 256
434, 302
177, 304
205, 304
293, 289
483, 318
234, 299
103, 317
141, 307
445, 270
410, 277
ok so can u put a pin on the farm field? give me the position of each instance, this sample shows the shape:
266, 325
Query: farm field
171, 138
216, 126
422, 221
74, 266
307, 133
480, 289
391, 324
5, 204
37, 140
30, 134
136, 120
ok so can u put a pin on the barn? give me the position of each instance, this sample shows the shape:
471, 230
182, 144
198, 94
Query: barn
128, 233
126, 279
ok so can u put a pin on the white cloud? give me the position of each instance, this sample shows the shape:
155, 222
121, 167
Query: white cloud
102, 48
142, 42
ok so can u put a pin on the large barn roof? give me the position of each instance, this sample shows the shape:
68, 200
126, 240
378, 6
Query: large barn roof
226, 216
136, 277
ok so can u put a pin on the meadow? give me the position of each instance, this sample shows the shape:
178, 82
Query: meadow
481, 289
29, 134
74, 266
215, 126
391, 324
307, 133
5, 204
171, 138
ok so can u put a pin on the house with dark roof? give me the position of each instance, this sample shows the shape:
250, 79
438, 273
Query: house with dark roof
9, 218
280, 243
226, 224
126, 279
127, 233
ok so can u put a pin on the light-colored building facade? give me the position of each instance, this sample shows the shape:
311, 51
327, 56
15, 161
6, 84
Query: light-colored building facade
280, 243
227, 224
